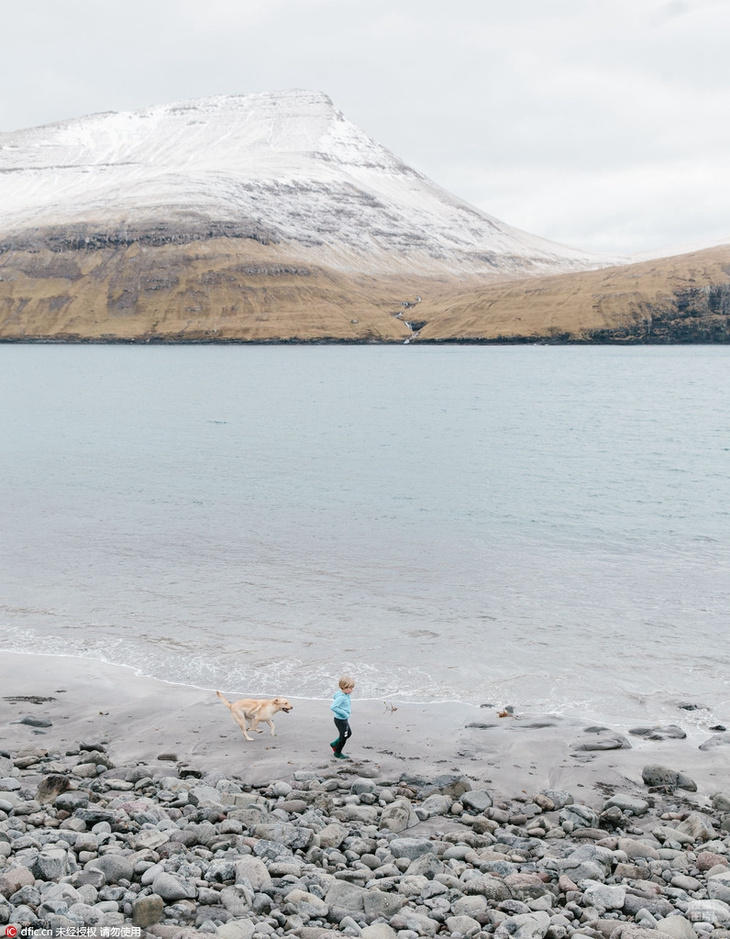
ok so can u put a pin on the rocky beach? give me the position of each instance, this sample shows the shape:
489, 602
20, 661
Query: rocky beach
134, 807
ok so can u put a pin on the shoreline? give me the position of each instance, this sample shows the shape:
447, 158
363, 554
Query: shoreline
104, 833
598, 337
140, 719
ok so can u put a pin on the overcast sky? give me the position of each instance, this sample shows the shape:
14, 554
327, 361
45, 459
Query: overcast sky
603, 124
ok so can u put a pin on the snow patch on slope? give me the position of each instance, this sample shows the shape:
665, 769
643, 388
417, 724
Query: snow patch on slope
288, 164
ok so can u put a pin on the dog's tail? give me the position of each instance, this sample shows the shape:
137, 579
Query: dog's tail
227, 703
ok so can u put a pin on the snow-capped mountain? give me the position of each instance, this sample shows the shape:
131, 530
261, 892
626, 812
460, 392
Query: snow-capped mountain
283, 169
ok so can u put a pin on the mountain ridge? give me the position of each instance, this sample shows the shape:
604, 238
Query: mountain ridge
288, 165
271, 217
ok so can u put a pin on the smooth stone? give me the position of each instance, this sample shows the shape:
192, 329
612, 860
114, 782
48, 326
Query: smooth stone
524, 926
658, 776
657, 906
718, 887
470, 906
667, 833
637, 849
476, 800
580, 816
236, 929
33, 721
436, 804
378, 931
697, 827
378, 903
146, 911
345, 896
608, 897
306, 904
170, 888
633, 931
600, 738
398, 816
526, 886
427, 865
708, 859
558, 797
627, 804
417, 922
12, 880
493, 888
410, 848
666, 732
149, 839
332, 835
677, 927
50, 787
115, 867
253, 871
462, 924
715, 912
718, 740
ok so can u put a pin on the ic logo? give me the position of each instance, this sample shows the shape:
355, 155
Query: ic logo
11, 931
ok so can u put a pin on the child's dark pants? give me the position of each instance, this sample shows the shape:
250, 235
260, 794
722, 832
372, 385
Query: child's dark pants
343, 729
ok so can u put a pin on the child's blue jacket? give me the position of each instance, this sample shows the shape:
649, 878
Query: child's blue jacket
341, 705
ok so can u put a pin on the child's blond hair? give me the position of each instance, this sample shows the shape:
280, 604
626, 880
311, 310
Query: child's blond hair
346, 682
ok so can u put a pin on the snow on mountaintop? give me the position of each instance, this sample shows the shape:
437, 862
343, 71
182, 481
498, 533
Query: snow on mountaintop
282, 167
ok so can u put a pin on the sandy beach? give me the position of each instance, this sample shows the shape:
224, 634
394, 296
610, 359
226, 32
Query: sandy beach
141, 719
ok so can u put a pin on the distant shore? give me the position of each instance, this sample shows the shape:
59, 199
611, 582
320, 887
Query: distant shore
598, 338
58, 702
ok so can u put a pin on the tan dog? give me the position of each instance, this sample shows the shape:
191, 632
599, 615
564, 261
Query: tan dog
256, 710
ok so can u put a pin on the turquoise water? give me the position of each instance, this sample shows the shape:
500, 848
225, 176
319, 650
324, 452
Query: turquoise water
541, 526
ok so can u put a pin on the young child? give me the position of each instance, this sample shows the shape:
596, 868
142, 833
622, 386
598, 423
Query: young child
340, 707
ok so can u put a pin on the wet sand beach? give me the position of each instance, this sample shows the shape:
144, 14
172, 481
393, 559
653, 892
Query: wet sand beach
142, 719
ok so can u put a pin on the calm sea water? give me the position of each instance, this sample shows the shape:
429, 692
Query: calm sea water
547, 527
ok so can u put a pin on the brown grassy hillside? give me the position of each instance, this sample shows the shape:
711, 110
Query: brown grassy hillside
678, 299
214, 290
240, 289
